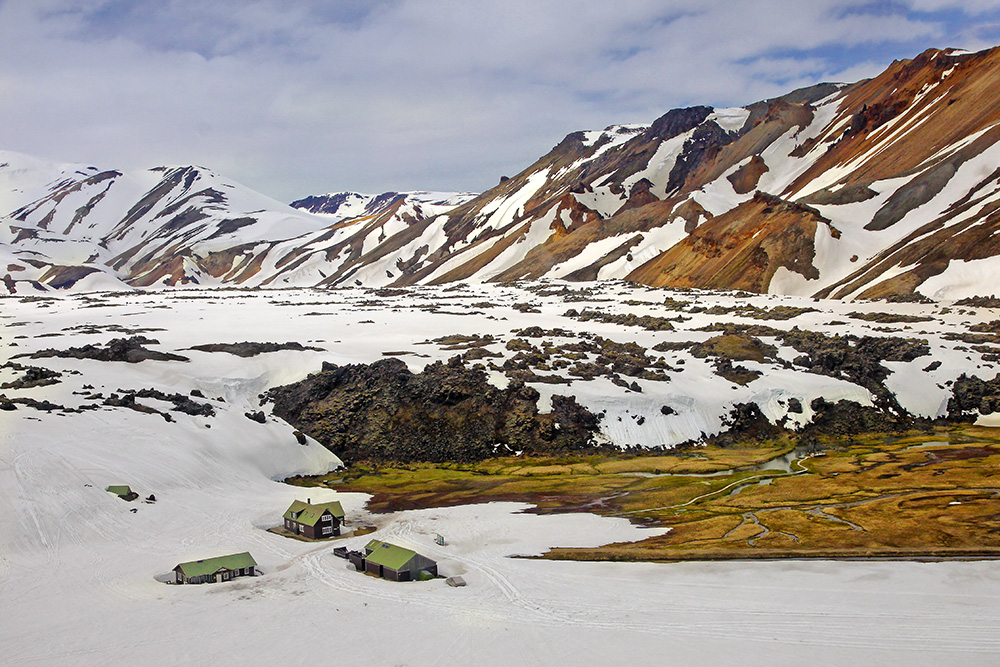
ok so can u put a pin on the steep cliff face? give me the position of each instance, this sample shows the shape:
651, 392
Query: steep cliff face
886, 186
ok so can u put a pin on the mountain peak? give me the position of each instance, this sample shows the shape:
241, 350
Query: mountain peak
884, 186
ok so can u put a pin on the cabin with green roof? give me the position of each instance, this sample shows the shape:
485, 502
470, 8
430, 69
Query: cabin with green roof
314, 521
221, 568
396, 563
123, 491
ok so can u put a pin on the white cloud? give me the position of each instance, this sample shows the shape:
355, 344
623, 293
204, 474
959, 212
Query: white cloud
968, 6
299, 97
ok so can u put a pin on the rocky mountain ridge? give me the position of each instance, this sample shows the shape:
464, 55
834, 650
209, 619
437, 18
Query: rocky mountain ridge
884, 187
347, 205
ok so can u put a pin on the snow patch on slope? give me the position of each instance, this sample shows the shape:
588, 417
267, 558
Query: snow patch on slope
730, 119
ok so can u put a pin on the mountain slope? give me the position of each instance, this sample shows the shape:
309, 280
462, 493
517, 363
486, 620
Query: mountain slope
346, 205
900, 169
174, 225
886, 186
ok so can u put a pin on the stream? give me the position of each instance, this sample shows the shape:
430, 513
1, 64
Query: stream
781, 463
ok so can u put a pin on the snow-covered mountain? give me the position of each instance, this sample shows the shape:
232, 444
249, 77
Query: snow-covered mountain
880, 187
345, 205
885, 186
76, 225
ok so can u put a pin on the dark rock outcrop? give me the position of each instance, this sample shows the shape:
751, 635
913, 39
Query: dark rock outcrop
856, 359
34, 376
257, 416
130, 350
447, 412
181, 402
974, 396
980, 302
745, 178
849, 418
247, 349
746, 422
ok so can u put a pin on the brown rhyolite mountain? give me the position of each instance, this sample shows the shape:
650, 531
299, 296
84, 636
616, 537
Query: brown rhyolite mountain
888, 186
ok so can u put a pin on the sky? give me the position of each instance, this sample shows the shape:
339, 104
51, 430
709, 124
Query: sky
300, 97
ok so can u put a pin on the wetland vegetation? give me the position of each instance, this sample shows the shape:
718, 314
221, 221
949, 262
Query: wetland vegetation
921, 495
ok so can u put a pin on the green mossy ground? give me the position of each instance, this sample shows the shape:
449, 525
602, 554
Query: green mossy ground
919, 495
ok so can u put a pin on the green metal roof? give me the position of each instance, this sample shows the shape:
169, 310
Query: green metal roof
119, 489
389, 555
198, 568
310, 514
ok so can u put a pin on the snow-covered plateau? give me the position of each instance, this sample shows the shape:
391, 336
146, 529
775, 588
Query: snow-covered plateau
79, 567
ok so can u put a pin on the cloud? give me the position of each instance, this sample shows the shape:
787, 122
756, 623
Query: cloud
973, 7
294, 98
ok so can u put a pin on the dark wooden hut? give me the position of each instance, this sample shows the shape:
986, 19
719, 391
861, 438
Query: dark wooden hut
395, 563
314, 521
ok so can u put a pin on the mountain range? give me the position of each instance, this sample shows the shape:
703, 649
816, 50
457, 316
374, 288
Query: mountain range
885, 187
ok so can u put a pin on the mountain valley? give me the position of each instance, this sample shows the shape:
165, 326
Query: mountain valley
673, 390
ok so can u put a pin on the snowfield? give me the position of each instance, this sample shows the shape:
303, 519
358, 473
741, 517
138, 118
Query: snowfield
78, 568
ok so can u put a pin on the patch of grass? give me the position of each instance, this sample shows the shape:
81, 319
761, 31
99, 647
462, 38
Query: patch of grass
933, 495
735, 347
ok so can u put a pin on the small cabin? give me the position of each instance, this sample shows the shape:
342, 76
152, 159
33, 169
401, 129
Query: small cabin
314, 521
123, 491
395, 563
212, 570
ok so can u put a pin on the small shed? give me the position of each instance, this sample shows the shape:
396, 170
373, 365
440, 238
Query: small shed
357, 559
221, 568
314, 521
396, 563
123, 491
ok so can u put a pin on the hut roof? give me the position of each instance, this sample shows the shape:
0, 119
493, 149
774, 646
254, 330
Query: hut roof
389, 555
198, 568
310, 514
119, 489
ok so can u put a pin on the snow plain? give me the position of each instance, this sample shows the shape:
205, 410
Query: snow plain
78, 568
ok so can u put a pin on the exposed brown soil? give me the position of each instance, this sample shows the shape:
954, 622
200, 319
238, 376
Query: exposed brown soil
741, 249
745, 178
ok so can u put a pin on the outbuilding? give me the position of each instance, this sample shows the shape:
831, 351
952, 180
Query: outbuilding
221, 568
396, 563
123, 491
314, 521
